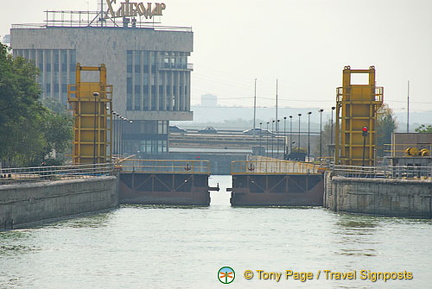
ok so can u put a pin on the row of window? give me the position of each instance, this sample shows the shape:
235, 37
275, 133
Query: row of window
150, 88
56, 69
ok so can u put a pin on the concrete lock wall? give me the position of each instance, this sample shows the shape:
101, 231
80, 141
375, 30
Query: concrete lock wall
387, 197
25, 204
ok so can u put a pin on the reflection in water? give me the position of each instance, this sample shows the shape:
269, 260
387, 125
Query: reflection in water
12, 242
356, 235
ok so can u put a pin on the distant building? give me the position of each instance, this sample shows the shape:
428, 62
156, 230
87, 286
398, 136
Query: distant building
6, 39
146, 64
209, 100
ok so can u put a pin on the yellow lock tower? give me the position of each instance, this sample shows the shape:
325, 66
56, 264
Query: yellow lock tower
356, 115
91, 104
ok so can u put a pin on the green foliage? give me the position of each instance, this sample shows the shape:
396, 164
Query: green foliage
28, 130
386, 125
424, 129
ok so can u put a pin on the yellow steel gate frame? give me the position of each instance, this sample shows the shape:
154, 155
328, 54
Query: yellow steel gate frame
91, 104
356, 107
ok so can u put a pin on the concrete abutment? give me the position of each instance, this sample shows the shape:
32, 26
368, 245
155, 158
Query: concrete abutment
26, 204
383, 197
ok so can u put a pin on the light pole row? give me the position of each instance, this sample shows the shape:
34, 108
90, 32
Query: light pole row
119, 120
289, 149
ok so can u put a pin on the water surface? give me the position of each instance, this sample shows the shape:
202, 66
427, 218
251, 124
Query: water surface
184, 247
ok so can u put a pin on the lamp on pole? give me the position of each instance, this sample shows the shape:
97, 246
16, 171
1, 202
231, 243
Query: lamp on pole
267, 138
114, 132
272, 138
299, 115
277, 138
331, 132
308, 150
260, 136
320, 153
95, 130
284, 135
291, 118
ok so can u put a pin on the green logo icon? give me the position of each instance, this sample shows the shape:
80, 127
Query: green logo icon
226, 275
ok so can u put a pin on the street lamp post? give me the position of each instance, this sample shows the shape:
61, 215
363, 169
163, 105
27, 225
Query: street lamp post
95, 129
260, 136
308, 152
320, 111
298, 145
277, 139
272, 138
284, 136
113, 141
267, 133
331, 132
290, 117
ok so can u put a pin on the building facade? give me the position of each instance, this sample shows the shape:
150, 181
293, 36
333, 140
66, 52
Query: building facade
147, 66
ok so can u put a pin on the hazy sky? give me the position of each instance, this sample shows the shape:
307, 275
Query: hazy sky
305, 44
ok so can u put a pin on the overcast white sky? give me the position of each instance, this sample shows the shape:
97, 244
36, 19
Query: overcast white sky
303, 43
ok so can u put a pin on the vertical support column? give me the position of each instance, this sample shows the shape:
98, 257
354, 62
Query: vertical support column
177, 94
156, 73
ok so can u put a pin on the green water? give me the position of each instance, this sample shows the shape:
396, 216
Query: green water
171, 247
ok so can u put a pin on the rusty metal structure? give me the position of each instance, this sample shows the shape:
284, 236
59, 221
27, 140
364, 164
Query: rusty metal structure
271, 182
356, 109
165, 182
91, 103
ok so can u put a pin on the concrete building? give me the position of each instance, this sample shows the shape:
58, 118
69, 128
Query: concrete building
209, 100
146, 64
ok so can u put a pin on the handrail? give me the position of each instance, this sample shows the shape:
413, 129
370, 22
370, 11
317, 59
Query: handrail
44, 173
166, 166
388, 172
273, 166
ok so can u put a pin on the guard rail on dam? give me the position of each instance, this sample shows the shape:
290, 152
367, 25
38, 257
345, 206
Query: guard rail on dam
166, 166
389, 191
44, 173
388, 172
29, 196
263, 165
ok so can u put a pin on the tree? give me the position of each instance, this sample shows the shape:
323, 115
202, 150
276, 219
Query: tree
424, 129
386, 125
28, 130
58, 133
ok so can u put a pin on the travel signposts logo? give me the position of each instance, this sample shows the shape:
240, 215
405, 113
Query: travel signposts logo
226, 275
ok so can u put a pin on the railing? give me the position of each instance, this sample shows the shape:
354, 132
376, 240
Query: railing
166, 166
388, 172
44, 173
273, 166
86, 23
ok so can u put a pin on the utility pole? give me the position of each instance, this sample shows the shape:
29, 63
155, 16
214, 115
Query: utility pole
277, 126
254, 120
408, 107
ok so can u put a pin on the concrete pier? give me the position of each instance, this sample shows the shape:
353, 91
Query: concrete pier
385, 197
26, 204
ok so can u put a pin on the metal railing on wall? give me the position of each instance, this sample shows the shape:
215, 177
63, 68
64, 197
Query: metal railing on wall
52, 173
388, 172
262, 165
166, 166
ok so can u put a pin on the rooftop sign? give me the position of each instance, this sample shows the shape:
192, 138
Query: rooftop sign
132, 9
